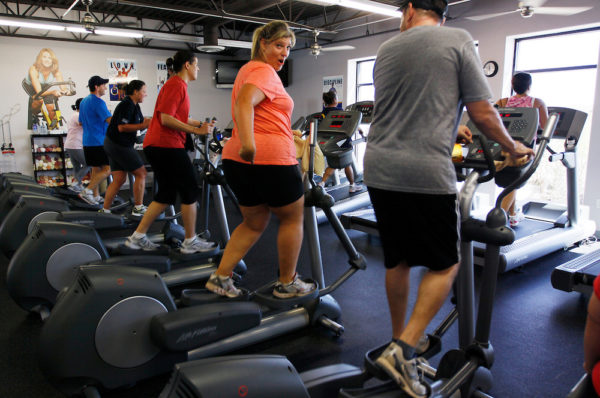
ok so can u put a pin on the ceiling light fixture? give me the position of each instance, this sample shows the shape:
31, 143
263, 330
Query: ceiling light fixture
363, 5
118, 33
30, 25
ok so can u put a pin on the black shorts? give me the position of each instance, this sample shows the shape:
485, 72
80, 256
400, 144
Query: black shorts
174, 175
419, 229
95, 156
122, 158
255, 185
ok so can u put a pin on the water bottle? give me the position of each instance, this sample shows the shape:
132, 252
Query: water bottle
44, 129
35, 128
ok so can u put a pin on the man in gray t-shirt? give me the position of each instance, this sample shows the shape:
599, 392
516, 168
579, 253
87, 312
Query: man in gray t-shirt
423, 78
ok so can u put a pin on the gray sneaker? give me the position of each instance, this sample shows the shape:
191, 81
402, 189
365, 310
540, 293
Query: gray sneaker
88, 196
197, 245
222, 287
295, 288
142, 243
405, 372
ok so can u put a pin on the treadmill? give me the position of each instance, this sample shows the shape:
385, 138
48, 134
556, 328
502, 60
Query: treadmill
578, 274
333, 130
547, 227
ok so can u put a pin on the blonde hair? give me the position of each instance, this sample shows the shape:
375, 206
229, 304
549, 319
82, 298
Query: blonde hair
38, 60
270, 32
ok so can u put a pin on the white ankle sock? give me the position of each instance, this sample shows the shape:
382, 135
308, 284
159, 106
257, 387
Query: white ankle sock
137, 235
187, 241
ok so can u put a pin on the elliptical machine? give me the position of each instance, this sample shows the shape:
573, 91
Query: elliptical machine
47, 259
115, 326
463, 372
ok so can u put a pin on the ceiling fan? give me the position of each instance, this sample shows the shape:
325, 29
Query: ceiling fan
88, 21
529, 7
315, 47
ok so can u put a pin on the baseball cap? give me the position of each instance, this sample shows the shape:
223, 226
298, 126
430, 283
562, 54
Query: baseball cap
96, 81
440, 7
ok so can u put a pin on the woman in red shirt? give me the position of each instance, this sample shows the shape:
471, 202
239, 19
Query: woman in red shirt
164, 147
260, 164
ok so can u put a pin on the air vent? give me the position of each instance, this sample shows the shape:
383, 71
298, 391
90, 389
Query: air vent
84, 283
184, 389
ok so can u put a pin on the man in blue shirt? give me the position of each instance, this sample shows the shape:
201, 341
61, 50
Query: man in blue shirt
94, 116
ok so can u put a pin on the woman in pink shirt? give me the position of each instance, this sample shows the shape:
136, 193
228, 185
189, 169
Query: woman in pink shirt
521, 84
260, 164
74, 147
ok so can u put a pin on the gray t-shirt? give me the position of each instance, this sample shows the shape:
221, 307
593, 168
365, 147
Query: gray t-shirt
423, 77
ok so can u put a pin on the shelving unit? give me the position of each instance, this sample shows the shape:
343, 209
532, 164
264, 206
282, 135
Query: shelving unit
50, 161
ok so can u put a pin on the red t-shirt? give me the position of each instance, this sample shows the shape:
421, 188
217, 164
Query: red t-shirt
173, 100
272, 118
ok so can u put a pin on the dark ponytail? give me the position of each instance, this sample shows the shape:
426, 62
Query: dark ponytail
180, 58
133, 86
77, 103
330, 98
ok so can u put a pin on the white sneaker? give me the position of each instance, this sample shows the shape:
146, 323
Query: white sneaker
296, 288
99, 199
515, 219
405, 372
103, 210
196, 245
76, 187
87, 196
355, 188
222, 286
142, 243
138, 211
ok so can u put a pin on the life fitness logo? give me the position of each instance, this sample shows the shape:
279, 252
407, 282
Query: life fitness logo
243, 391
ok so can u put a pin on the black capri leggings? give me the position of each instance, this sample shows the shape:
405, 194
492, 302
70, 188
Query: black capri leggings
174, 174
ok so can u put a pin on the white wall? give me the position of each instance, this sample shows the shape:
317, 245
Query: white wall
80, 61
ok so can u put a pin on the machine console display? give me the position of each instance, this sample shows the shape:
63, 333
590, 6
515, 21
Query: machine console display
521, 124
364, 107
341, 123
570, 122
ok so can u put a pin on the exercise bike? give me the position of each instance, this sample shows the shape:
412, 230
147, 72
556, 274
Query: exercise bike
52, 123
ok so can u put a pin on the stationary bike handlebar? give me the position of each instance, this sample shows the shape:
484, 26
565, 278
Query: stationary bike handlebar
46, 86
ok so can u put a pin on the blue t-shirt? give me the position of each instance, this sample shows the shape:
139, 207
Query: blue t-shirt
93, 113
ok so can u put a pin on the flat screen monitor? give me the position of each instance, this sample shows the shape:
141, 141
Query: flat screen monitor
226, 71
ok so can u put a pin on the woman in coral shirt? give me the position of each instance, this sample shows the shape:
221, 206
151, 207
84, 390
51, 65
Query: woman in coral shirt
260, 164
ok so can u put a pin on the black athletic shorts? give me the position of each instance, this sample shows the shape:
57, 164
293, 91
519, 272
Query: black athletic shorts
95, 156
255, 185
419, 229
174, 174
122, 158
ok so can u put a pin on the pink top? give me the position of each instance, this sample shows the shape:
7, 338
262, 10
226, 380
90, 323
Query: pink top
272, 118
74, 133
520, 102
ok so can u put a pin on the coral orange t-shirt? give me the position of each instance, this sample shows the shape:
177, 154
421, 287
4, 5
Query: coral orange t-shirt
272, 118
173, 100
